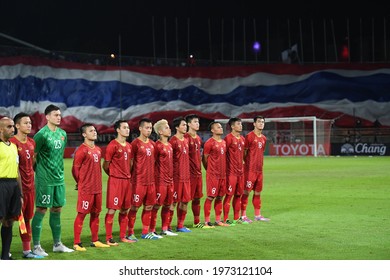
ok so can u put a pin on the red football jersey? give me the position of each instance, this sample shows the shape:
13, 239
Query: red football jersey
119, 157
143, 162
164, 163
181, 159
88, 162
235, 154
195, 144
255, 147
216, 161
26, 156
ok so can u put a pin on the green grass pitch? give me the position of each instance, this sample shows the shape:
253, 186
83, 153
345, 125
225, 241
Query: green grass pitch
325, 208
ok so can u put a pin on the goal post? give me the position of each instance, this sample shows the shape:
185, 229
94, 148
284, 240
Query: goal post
292, 136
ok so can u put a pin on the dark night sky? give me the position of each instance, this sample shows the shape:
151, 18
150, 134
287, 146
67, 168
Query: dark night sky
94, 26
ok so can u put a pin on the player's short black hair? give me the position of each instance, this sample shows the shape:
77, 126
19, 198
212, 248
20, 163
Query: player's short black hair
51, 108
211, 125
144, 120
258, 117
19, 116
83, 128
117, 124
190, 117
176, 121
233, 120
17, 119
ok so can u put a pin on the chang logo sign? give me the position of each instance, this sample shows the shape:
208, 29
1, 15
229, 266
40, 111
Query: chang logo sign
364, 149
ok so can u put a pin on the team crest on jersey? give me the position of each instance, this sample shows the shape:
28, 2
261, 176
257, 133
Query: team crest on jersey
19, 149
89, 152
62, 138
120, 150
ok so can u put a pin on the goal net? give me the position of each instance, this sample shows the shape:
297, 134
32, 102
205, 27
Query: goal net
292, 136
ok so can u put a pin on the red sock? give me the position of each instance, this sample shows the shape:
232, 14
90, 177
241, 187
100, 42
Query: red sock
236, 206
26, 237
94, 226
108, 224
256, 201
180, 219
218, 208
123, 222
145, 217
207, 209
165, 217
131, 221
26, 245
78, 227
244, 204
171, 213
153, 220
226, 207
195, 205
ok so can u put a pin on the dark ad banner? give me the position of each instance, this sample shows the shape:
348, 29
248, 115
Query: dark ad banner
360, 149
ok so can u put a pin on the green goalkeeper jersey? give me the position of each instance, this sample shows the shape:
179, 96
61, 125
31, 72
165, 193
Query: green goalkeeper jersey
49, 150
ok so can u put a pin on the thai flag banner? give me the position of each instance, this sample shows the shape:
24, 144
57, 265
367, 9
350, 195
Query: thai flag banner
103, 94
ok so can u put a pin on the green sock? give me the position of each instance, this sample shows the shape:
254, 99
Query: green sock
55, 225
36, 226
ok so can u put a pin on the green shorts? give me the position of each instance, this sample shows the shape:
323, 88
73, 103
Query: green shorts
50, 196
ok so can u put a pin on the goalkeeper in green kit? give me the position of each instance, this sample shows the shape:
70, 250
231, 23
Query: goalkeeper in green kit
49, 180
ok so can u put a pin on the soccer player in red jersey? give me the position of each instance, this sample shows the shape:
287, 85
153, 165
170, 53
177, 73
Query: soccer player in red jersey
235, 144
214, 161
195, 145
87, 173
143, 187
117, 165
164, 178
253, 168
181, 173
26, 146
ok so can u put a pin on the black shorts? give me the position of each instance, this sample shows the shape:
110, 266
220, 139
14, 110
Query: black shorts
10, 203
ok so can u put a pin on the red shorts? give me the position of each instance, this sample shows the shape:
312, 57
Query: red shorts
215, 186
235, 185
254, 181
89, 203
164, 194
28, 204
196, 187
143, 195
118, 193
182, 192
